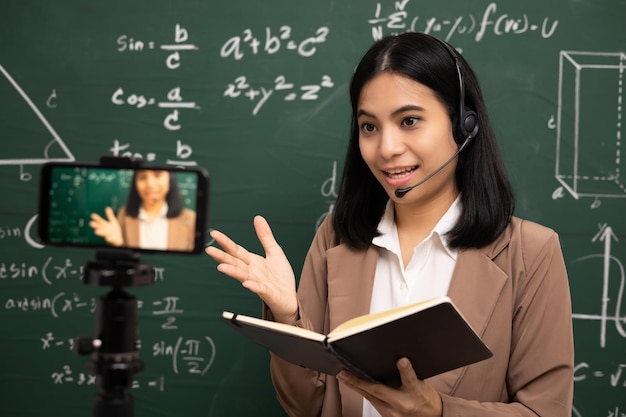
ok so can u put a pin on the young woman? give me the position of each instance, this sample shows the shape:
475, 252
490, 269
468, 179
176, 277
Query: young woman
424, 209
154, 216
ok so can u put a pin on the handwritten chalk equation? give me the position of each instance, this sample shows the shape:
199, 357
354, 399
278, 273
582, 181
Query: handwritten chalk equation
616, 412
66, 376
167, 307
489, 21
7, 232
129, 44
241, 88
62, 303
616, 377
49, 341
51, 270
174, 101
195, 355
183, 152
272, 42
57, 305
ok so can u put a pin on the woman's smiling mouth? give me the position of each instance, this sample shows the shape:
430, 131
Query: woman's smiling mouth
400, 173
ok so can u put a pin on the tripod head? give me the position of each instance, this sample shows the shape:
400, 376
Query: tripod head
114, 357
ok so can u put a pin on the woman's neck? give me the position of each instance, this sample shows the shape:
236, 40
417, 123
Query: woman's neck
152, 209
415, 222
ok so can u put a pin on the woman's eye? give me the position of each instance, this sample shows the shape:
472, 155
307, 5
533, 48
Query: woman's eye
410, 121
368, 127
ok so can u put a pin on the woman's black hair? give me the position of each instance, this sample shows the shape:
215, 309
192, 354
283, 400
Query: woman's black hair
486, 193
174, 198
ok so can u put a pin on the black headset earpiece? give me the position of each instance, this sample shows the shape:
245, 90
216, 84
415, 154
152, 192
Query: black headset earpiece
467, 120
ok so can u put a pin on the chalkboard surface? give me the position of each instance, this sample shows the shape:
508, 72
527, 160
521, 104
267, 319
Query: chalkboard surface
255, 92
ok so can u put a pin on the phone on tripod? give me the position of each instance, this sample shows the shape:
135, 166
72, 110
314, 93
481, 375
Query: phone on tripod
114, 205
120, 208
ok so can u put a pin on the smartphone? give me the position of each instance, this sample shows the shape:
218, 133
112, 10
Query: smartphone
138, 207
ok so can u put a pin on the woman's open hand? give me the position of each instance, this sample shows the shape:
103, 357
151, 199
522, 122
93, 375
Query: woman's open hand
270, 277
108, 228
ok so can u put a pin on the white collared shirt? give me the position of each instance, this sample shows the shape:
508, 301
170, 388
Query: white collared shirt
427, 275
153, 234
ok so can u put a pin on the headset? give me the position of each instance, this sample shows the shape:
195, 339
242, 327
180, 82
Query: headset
467, 120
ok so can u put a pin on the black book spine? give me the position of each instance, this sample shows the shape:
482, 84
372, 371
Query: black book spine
347, 364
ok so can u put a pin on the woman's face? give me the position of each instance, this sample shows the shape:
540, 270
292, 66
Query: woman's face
152, 185
405, 134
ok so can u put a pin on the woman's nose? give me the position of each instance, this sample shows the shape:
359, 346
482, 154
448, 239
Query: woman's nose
391, 143
151, 181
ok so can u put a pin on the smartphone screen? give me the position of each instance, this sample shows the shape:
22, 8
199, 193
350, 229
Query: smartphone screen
142, 208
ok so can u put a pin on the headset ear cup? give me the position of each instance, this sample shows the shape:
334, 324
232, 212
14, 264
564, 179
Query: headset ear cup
470, 123
466, 123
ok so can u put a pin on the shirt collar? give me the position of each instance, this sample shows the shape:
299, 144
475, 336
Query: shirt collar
162, 213
388, 234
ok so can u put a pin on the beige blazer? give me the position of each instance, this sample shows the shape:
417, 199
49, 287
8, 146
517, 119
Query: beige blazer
514, 293
180, 230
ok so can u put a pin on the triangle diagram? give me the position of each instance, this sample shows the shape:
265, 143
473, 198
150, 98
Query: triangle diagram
26, 136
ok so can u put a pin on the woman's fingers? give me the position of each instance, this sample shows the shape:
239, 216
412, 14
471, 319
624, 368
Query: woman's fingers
233, 260
96, 218
231, 248
97, 223
108, 211
266, 236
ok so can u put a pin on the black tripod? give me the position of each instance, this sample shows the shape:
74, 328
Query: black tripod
113, 349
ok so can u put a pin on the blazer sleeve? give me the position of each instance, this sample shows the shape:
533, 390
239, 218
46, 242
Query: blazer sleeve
303, 392
539, 377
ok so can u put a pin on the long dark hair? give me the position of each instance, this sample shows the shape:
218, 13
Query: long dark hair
174, 198
486, 193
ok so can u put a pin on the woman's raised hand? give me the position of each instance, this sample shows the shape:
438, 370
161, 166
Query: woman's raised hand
108, 228
270, 277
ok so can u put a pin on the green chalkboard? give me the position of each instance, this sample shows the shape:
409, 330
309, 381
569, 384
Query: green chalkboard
255, 92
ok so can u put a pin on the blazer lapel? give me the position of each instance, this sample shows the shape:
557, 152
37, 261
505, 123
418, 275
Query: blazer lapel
475, 288
350, 284
174, 235
131, 231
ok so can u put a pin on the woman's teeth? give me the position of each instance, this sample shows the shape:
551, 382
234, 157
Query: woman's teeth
396, 174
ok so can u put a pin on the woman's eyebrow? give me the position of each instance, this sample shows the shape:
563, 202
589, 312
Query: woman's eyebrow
405, 108
362, 112
408, 107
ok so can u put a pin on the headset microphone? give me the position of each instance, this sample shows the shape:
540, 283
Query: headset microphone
466, 124
400, 192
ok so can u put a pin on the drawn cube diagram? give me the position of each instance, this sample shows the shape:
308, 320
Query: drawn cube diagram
589, 124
